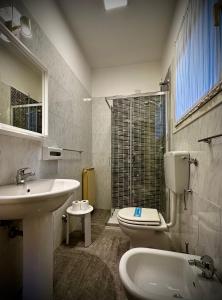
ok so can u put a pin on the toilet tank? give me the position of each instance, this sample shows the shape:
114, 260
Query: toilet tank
176, 169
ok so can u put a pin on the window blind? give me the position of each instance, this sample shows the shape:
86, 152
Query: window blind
198, 56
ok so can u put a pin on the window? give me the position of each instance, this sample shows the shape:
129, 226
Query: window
198, 56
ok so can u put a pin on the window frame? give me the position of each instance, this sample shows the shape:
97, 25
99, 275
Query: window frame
206, 103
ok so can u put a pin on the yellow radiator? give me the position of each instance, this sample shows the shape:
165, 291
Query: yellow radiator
89, 185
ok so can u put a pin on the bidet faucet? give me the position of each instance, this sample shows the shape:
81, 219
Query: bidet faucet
206, 264
21, 176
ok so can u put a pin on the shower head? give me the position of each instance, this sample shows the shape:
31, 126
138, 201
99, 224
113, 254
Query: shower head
164, 85
165, 82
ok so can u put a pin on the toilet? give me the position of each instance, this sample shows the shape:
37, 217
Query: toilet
146, 227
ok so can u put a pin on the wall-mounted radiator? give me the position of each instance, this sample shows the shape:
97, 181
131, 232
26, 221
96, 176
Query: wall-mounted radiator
89, 185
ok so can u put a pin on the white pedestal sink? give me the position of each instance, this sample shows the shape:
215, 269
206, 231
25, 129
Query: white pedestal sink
34, 203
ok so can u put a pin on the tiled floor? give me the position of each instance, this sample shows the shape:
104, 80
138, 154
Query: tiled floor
113, 219
91, 273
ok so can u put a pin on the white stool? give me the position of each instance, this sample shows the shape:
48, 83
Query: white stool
86, 223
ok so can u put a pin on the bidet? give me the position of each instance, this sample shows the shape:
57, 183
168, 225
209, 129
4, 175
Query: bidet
151, 274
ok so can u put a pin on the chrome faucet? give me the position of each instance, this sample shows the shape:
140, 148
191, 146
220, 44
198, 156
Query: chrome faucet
21, 176
206, 264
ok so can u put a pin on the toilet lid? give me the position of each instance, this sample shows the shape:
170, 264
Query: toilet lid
139, 215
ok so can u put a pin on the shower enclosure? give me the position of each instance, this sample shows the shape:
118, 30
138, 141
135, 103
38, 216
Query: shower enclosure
138, 145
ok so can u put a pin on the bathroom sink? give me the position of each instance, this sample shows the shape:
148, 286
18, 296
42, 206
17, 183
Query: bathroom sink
34, 202
153, 274
34, 197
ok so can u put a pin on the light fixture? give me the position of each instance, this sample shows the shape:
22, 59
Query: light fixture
113, 4
15, 22
26, 29
87, 99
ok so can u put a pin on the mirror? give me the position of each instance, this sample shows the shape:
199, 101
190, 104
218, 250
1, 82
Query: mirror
23, 82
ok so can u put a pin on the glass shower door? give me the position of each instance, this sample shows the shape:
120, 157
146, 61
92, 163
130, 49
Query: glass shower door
147, 146
138, 142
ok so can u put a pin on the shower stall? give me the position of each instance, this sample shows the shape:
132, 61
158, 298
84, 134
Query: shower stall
138, 145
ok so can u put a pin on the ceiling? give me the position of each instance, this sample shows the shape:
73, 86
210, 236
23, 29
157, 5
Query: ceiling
130, 35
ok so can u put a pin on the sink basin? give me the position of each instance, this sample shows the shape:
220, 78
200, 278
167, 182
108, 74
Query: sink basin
34, 197
153, 274
34, 202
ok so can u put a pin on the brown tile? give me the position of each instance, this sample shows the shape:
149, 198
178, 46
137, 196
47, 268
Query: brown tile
91, 273
100, 216
82, 276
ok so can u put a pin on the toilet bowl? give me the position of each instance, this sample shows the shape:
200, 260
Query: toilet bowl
148, 230
146, 227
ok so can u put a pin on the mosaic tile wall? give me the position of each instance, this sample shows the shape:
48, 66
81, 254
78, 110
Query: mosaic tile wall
19, 98
138, 145
25, 117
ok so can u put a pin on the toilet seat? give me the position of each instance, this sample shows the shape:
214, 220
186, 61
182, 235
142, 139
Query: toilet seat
146, 216
161, 227
151, 219
140, 223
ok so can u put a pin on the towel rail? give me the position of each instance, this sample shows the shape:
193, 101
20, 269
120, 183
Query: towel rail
209, 138
73, 150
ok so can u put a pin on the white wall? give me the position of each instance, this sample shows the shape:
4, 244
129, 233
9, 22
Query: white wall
126, 80
50, 19
101, 151
20, 74
170, 45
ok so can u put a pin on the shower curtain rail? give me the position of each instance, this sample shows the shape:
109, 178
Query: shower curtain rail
111, 98
135, 95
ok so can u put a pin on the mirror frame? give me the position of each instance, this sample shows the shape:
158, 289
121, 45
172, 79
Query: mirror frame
16, 131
